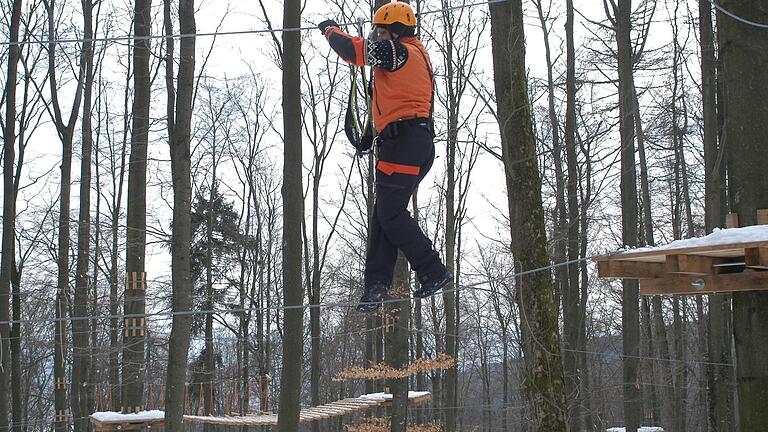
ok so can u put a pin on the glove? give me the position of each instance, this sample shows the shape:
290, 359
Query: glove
366, 142
323, 26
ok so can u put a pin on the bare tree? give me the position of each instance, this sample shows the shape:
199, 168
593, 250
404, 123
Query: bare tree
135, 280
80, 328
9, 211
535, 293
744, 59
293, 211
720, 395
65, 132
179, 125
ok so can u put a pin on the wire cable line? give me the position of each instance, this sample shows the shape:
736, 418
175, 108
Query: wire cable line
129, 38
736, 17
350, 305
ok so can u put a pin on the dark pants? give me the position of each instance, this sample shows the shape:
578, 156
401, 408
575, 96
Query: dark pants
404, 158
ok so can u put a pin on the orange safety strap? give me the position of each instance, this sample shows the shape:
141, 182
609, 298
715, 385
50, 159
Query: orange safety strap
390, 168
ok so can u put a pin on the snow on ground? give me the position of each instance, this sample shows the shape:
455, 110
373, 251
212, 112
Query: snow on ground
750, 234
109, 416
388, 396
641, 429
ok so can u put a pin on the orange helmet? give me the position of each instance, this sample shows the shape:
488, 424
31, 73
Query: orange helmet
395, 12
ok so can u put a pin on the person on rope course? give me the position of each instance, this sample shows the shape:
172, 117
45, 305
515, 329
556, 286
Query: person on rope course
403, 102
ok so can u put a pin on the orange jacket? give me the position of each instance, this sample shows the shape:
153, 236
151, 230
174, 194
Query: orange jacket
402, 84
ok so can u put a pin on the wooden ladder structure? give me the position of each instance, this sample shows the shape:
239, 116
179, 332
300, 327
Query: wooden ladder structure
334, 409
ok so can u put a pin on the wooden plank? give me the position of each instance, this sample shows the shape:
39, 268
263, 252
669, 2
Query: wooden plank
630, 269
308, 417
732, 220
355, 405
692, 264
319, 415
418, 400
684, 284
762, 216
324, 410
756, 258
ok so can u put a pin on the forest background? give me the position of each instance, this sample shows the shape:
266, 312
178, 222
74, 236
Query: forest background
236, 146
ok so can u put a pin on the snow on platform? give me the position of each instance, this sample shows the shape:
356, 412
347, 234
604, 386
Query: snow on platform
108, 416
109, 421
640, 429
412, 395
755, 234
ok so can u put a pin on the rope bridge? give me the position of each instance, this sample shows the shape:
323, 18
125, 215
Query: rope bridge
115, 421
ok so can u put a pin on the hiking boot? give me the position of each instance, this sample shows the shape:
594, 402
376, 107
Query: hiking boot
431, 285
372, 297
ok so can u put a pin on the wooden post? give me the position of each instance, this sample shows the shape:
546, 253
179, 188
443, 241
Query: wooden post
210, 392
732, 220
226, 398
200, 405
186, 398
264, 394
98, 397
237, 398
762, 216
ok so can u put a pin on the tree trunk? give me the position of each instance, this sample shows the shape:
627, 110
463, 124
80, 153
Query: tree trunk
585, 189
81, 328
209, 361
719, 377
293, 352
118, 181
396, 342
65, 132
134, 303
181, 280
372, 322
449, 297
418, 320
8, 260
630, 295
744, 57
544, 382
559, 244
573, 311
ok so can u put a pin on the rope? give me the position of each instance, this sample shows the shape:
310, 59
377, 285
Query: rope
129, 38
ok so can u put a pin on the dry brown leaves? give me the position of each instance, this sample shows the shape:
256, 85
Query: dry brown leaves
383, 370
379, 424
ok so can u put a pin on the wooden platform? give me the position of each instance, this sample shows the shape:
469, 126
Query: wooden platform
127, 422
705, 269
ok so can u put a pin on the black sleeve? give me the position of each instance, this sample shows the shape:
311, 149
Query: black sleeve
389, 55
345, 45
